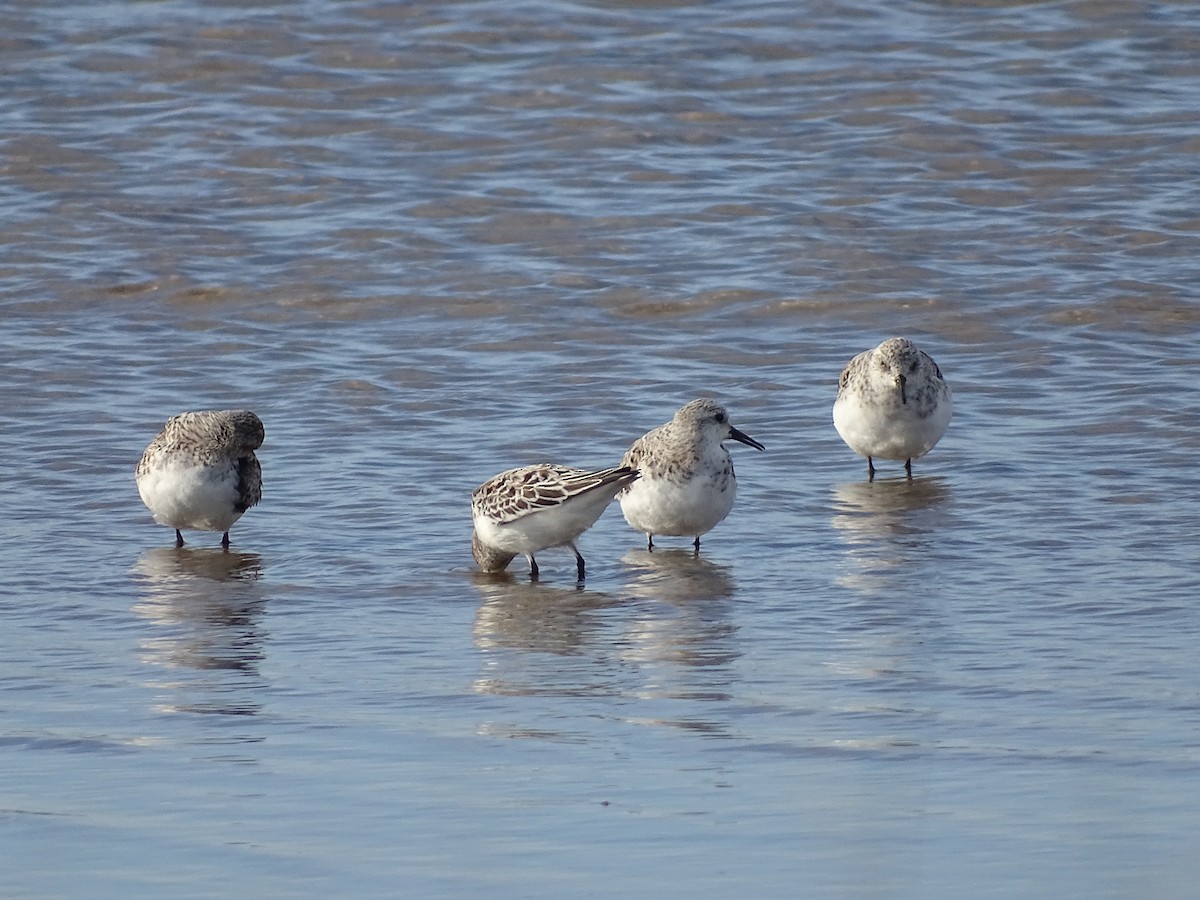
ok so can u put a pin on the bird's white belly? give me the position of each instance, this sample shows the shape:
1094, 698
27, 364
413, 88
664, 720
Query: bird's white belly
545, 528
895, 433
690, 508
194, 497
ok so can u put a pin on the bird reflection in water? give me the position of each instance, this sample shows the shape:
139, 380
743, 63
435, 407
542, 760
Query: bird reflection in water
891, 533
885, 525
208, 606
539, 640
536, 616
687, 624
672, 639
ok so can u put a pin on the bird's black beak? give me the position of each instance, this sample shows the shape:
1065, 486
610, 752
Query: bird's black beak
744, 438
900, 379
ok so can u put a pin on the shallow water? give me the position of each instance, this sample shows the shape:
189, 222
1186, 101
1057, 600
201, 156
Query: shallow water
428, 244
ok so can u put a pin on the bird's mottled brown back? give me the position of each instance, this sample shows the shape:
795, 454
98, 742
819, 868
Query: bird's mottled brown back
518, 492
209, 437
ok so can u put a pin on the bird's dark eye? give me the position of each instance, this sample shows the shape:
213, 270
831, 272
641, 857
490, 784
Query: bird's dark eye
720, 417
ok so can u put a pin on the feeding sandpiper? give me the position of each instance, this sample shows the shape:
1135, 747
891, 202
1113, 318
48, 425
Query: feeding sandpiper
525, 510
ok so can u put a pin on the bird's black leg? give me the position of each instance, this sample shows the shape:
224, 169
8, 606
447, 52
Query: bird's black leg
870, 469
649, 542
225, 540
696, 544
533, 569
908, 468
178, 538
579, 566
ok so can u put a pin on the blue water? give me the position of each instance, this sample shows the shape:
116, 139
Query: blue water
429, 244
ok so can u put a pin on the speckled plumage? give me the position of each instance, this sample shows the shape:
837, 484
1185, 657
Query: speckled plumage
892, 403
688, 484
531, 508
200, 471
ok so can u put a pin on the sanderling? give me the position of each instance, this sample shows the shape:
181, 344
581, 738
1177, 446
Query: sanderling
892, 403
534, 507
200, 471
687, 484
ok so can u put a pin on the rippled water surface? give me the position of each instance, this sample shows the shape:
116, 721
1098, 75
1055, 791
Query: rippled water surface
428, 242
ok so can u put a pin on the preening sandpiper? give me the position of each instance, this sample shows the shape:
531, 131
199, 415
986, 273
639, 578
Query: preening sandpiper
200, 472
